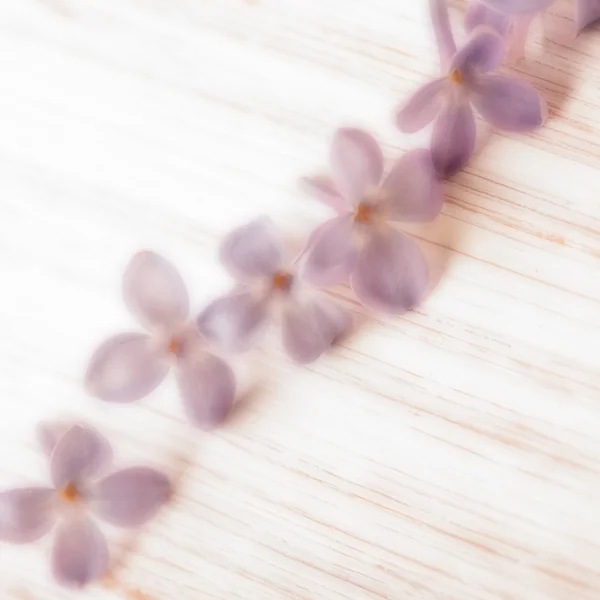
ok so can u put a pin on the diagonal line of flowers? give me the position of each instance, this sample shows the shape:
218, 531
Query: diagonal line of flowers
359, 245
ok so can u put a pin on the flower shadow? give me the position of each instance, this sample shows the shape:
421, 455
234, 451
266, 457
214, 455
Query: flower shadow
176, 468
551, 66
439, 238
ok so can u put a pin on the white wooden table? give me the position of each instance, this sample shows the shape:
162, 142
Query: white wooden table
451, 454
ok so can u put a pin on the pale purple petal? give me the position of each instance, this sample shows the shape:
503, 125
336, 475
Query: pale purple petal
509, 104
413, 190
422, 107
207, 386
126, 368
518, 6
310, 327
26, 514
80, 454
478, 14
484, 52
154, 291
254, 250
586, 13
453, 139
356, 162
330, 253
443, 31
235, 322
79, 554
323, 189
130, 497
49, 433
391, 274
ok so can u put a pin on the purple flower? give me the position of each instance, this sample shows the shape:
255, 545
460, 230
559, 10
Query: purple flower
128, 366
79, 492
586, 13
386, 269
511, 20
479, 14
518, 7
505, 102
268, 287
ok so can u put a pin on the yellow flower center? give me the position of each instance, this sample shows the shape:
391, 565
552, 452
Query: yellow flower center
70, 493
282, 281
456, 76
363, 213
174, 346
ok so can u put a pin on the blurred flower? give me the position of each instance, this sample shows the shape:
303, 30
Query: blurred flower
479, 14
511, 20
80, 491
518, 7
505, 102
586, 13
128, 366
268, 287
386, 269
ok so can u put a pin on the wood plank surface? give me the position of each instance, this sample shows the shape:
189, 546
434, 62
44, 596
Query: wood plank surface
450, 454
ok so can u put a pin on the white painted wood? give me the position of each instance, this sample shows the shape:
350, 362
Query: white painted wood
450, 454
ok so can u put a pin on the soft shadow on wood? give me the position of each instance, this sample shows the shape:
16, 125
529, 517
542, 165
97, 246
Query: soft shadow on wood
113, 580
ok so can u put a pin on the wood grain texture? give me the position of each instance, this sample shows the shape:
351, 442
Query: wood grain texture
451, 454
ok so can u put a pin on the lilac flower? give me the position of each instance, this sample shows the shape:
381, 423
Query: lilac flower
513, 17
386, 269
586, 13
269, 287
128, 366
518, 7
511, 20
505, 102
81, 491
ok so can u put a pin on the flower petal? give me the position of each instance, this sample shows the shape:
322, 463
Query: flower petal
79, 554
126, 368
484, 52
26, 514
235, 322
443, 31
453, 139
356, 162
586, 13
309, 328
478, 15
130, 497
254, 250
392, 274
422, 107
79, 454
413, 190
49, 434
154, 291
207, 386
323, 189
509, 104
513, 7
330, 253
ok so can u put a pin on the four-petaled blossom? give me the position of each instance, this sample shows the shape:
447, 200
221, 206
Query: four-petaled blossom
512, 18
505, 102
128, 366
80, 492
513, 26
385, 268
269, 286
